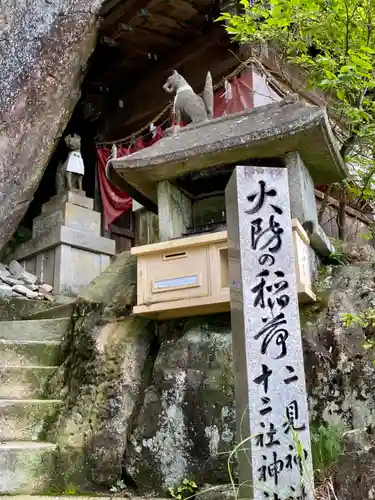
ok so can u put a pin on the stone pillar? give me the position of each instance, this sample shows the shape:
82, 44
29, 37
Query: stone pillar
67, 250
174, 210
303, 202
271, 403
301, 192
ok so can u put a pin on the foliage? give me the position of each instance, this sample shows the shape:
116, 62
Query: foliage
339, 256
327, 444
366, 320
336, 259
118, 487
333, 42
70, 491
186, 490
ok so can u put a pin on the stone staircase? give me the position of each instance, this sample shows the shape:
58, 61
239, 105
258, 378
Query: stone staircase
28, 352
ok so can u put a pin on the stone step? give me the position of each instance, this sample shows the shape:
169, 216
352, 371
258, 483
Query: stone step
20, 308
25, 467
22, 420
33, 330
58, 311
95, 496
24, 382
29, 353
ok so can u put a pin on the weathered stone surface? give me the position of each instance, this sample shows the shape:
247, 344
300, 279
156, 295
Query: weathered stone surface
20, 273
222, 492
5, 290
4, 272
14, 353
25, 467
176, 407
355, 476
271, 130
65, 235
33, 330
24, 286
15, 268
69, 215
20, 382
21, 308
23, 290
158, 409
340, 372
76, 197
44, 48
267, 342
301, 191
21, 420
45, 288
11, 281
107, 358
187, 422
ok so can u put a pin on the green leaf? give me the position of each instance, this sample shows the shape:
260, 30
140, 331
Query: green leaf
368, 345
361, 62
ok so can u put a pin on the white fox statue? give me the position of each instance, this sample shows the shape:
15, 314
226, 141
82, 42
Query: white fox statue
188, 107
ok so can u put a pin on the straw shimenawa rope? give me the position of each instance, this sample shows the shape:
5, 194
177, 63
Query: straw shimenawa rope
135, 135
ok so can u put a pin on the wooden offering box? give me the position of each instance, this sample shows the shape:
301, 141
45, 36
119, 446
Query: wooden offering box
183, 277
189, 276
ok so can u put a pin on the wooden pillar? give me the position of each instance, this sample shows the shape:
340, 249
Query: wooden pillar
175, 211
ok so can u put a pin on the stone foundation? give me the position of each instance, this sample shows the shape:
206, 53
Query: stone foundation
67, 250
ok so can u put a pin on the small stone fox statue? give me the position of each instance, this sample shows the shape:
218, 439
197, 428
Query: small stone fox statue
69, 174
188, 106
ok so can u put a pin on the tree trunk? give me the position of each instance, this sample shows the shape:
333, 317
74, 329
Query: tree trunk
324, 203
44, 48
341, 218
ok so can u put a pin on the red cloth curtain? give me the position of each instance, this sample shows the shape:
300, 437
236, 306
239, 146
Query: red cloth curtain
241, 96
114, 201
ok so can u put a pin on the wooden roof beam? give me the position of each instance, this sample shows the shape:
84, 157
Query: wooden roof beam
146, 97
122, 13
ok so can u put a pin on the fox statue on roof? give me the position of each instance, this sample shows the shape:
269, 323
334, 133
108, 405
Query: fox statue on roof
188, 107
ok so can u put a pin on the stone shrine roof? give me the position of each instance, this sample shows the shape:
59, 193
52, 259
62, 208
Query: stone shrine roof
267, 131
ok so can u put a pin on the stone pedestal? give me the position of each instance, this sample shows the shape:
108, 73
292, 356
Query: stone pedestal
67, 250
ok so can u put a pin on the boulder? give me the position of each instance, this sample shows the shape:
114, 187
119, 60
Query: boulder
5, 290
186, 426
107, 358
4, 272
9, 280
355, 475
19, 272
339, 370
23, 290
187, 418
221, 492
152, 403
45, 289
44, 49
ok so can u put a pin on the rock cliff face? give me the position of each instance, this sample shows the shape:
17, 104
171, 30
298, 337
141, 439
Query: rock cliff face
186, 426
44, 47
153, 403
106, 362
340, 372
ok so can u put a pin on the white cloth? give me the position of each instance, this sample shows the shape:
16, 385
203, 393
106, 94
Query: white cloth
75, 163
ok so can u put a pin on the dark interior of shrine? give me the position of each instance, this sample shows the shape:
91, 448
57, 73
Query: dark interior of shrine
140, 42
